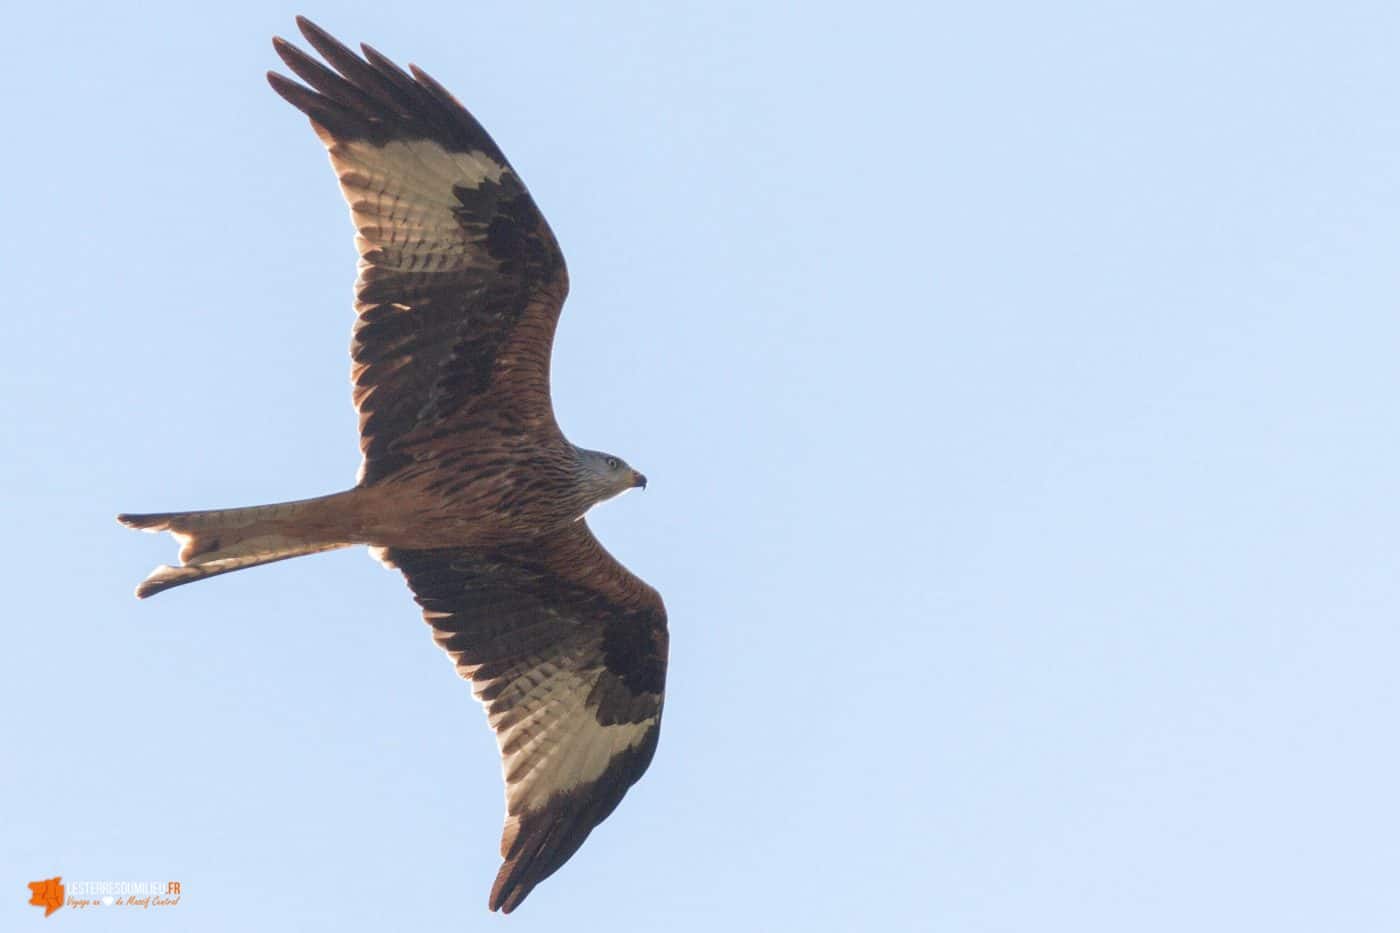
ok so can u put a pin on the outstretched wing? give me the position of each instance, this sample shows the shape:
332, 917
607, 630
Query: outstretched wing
566, 649
461, 280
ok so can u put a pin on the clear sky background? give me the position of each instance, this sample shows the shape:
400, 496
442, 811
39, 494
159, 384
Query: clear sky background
1017, 384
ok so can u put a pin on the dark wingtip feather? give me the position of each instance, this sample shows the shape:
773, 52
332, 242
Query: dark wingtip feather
284, 49
285, 86
435, 88
326, 115
511, 887
294, 94
315, 34
331, 85
544, 840
387, 66
371, 97
544, 843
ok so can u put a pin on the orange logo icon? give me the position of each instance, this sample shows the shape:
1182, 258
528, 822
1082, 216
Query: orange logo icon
47, 894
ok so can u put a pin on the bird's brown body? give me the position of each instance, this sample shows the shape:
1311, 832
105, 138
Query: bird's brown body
467, 485
507, 494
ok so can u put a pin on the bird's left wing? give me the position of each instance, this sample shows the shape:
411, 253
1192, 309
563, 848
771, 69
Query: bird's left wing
461, 280
566, 649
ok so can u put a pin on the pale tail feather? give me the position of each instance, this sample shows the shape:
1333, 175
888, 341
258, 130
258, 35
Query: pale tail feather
220, 541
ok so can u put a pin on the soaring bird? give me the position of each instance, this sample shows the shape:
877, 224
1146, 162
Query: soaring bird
467, 484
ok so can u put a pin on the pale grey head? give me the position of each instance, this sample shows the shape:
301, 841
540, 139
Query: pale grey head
603, 476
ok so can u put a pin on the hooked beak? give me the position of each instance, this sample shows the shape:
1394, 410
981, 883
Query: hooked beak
638, 480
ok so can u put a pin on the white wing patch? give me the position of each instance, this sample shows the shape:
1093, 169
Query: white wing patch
552, 742
419, 166
402, 199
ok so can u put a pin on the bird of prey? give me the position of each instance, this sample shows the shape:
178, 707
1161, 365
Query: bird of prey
467, 485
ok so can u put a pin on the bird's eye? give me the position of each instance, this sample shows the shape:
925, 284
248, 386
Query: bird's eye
612, 463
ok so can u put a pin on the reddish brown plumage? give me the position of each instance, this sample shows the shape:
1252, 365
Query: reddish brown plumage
467, 483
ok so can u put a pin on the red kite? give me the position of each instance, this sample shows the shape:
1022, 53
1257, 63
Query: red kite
467, 485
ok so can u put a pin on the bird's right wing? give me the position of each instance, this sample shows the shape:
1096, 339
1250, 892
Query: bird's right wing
461, 281
566, 649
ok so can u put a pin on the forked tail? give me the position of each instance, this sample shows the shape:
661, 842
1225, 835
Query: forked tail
224, 540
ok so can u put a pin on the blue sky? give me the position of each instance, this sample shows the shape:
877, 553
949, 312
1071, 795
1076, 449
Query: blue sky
1016, 383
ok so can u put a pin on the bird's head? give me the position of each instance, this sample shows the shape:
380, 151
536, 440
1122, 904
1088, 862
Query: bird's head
605, 475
